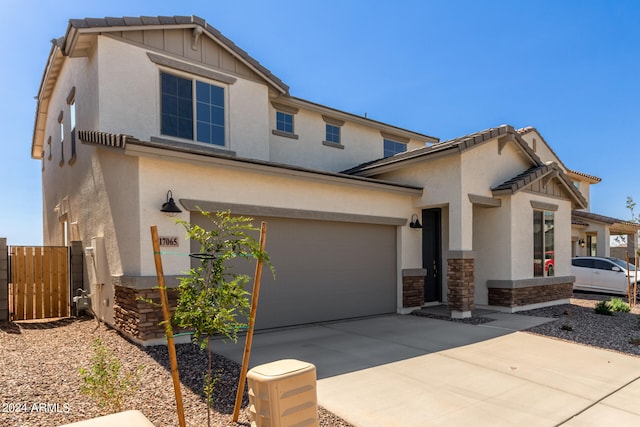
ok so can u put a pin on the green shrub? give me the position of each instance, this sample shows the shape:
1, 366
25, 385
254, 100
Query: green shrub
106, 382
618, 305
604, 308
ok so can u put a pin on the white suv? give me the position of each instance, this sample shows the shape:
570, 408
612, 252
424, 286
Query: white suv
603, 274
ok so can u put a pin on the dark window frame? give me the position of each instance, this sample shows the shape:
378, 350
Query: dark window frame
187, 112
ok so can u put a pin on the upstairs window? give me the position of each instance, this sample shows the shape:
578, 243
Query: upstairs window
61, 125
284, 122
393, 147
333, 133
71, 100
178, 106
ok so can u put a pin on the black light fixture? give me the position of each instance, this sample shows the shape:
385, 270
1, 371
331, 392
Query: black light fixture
414, 223
581, 243
169, 207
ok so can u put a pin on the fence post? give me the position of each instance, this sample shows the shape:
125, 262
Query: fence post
76, 271
4, 280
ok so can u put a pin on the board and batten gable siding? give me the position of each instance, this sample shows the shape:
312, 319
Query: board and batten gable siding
130, 99
180, 42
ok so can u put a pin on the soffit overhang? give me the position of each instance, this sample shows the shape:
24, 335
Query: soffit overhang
80, 38
616, 226
211, 156
542, 174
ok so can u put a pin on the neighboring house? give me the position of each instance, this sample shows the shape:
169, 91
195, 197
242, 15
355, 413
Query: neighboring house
590, 232
130, 108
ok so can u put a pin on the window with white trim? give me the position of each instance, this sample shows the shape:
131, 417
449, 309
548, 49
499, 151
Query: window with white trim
192, 109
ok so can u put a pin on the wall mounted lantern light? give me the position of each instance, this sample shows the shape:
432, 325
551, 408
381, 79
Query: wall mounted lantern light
581, 243
169, 207
414, 223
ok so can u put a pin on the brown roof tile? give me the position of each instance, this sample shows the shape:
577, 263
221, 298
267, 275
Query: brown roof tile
460, 144
111, 22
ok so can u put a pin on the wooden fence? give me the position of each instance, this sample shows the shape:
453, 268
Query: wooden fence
39, 286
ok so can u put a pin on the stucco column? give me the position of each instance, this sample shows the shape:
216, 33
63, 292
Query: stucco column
4, 280
632, 245
461, 261
603, 248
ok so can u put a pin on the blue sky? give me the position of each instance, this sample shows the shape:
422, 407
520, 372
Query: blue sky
446, 68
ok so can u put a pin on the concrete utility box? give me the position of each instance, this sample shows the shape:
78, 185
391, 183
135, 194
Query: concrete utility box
283, 394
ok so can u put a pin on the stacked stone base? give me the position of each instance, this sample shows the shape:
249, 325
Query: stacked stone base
138, 312
461, 284
413, 287
517, 297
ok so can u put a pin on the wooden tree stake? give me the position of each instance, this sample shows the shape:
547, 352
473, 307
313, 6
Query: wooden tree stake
167, 318
252, 319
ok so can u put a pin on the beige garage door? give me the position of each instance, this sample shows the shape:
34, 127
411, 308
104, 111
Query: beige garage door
325, 271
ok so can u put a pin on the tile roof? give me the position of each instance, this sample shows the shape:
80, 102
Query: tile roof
457, 144
590, 216
522, 180
535, 173
122, 141
128, 21
592, 177
529, 129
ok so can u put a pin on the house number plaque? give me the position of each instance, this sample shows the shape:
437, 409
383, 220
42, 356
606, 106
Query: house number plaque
169, 241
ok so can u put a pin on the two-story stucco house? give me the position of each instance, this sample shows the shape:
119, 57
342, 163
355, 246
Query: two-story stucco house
364, 218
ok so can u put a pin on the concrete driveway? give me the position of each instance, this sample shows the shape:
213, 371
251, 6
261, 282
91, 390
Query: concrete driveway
413, 371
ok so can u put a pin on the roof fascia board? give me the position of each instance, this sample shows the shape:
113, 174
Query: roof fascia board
42, 102
583, 177
548, 176
401, 163
544, 141
142, 149
343, 115
76, 32
452, 147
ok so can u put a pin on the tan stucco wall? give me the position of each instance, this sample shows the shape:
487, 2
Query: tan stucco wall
190, 180
360, 143
133, 100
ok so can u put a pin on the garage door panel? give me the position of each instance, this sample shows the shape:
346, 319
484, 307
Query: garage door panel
324, 271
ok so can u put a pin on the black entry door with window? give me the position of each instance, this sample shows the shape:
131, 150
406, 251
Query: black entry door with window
431, 254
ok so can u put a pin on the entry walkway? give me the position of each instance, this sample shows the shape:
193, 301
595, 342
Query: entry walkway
412, 371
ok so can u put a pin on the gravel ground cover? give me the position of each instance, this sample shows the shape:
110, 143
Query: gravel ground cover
578, 322
39, 364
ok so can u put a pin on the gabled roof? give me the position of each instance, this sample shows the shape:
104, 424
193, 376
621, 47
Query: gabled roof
455, 145
73, 42
529, 129
616, 225
528, 177
77, 27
